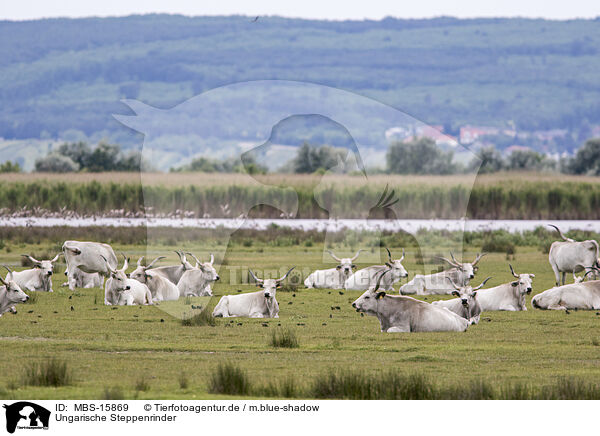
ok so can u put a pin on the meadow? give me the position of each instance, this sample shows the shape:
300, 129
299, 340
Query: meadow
498, 196
318, 348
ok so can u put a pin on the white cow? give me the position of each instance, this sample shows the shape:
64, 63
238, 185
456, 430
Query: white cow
10, 294
508, 296
174, 272
585, 296
467, 304
39, 278
332, 278
89, 257
161, 288
362, 279
260, 304
438, 283
86, 280
120, 290
195, 282
398, 314
571, 256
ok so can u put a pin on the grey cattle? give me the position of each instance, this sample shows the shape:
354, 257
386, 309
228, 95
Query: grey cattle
584, 296
173, 273
405, 314
362, 279
161, 288
122, 291
332, 278
507, 296
570, 256
87, 280
89, 257
260, 304
467, 304
39, 278
195, 282
10, 294
438, 283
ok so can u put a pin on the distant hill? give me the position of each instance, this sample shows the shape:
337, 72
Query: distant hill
63, 78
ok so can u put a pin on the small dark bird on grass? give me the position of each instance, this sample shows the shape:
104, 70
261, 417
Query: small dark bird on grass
31, 311
72, 309
239, 323
115, 308
567, 311
291, 302
264, 324
294, 295
330, 315
362, 314
300, 323
70, 297
162, 320
341, 293
57, 311
324, 323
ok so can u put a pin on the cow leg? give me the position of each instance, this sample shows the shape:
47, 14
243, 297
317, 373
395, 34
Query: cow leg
556, 273
556, 307
398, 329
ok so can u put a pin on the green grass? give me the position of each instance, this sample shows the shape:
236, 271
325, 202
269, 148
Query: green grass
523, 354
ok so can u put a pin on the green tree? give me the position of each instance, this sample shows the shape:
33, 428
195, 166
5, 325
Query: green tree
587, 159
420, 156
311, 158
104, 157
489, 161
78, 152
9, 167
56, 163
529, 160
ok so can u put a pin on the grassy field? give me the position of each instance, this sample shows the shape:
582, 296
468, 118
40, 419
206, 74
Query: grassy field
143, 352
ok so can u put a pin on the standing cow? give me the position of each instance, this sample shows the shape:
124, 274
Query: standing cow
89, 257
259, 304
570, 256
362, 279
508, 296
438, 283
39, 278
332, 278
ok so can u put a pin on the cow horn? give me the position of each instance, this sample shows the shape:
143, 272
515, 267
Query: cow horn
3, 282
112, 271
154, 261
454, 264
482, 283
403, 253
34, 261
334, 256
285, 275
561, 234
452, 283
380, 278
478, 258
56, 257
256, 279
125, 262
195, 258
356, 255
181, 256
139, 261
513, 271
212, 258
7, 269
389, 254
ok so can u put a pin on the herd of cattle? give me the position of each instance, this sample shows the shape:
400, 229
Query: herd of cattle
92, 264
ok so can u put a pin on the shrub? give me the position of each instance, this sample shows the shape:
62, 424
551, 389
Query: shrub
203, 318
142, 385
51, 372
114, 393
229, 379
183, 381
284, 338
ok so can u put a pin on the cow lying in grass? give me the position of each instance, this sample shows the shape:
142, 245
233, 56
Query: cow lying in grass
405, 314
38, 278
119, 290
584, 296
508, 296
10, 294
467, 304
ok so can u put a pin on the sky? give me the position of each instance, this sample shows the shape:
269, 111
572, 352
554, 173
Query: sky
315, 9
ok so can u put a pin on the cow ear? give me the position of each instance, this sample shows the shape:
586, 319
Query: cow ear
380, 295
475, 268
474, 294
532, 276
514, 284
455, 293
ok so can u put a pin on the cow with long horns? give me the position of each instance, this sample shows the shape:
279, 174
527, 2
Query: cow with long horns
259, 304
393, 270
507, 296
467, 304
437, 283
570, 256
332, 278
38, 278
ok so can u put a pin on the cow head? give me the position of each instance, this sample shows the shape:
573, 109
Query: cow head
467, 270
140, 273
46, 267
14, 294
369, 301
346, 264
524, 283
269, 285
210, 273
467, 295
397, 270
118, 276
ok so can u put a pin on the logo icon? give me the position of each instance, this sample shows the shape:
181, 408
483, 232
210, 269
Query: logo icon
26, 415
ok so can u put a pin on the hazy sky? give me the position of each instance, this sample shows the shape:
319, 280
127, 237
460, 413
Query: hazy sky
320, 9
